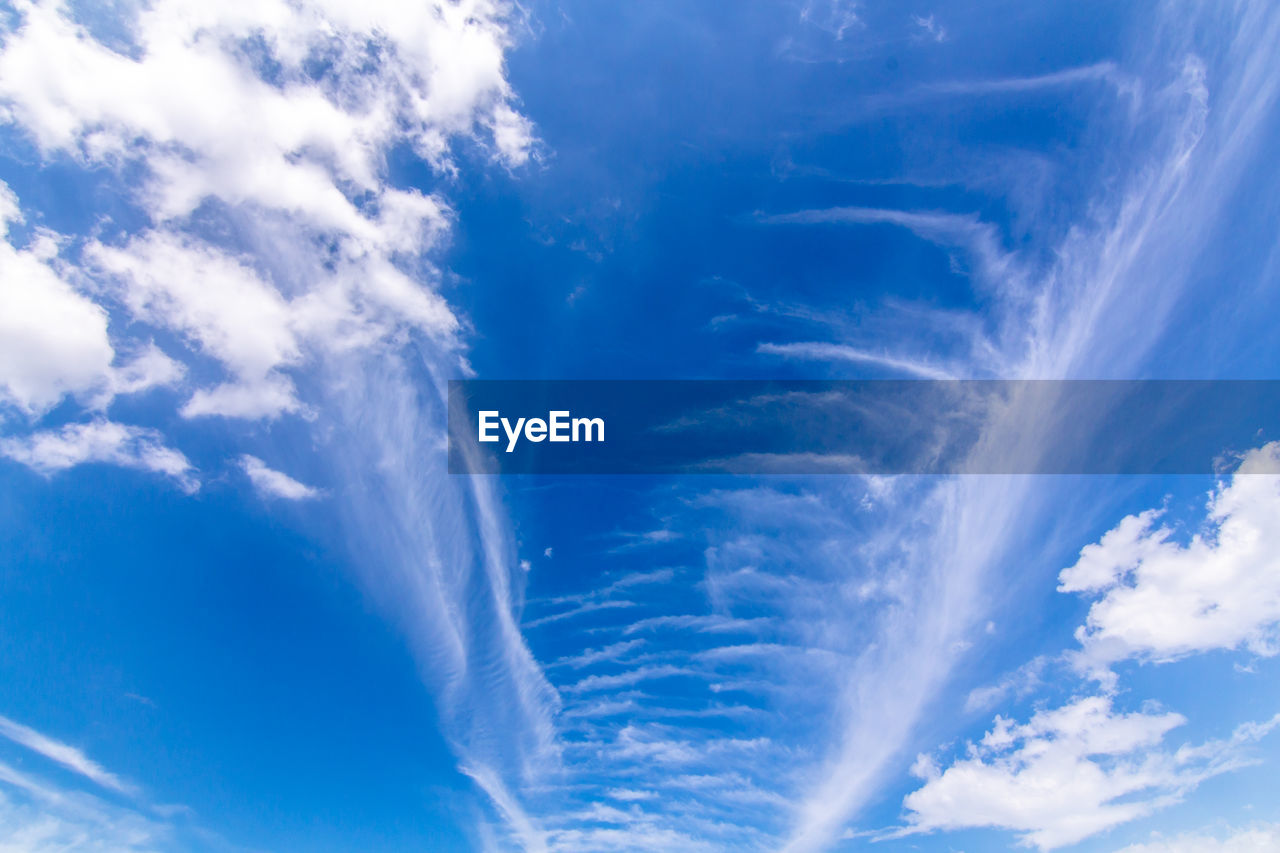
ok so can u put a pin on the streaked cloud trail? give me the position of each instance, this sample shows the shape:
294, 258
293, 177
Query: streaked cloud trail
894, 600
66, 755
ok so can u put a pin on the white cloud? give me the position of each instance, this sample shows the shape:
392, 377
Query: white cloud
298, 281
1020, 682
274, 484
66, 755
41, 816
609, 654
977, 245
49, 451
1102, 71
1102, 307
1080, 769
1069, 773
819, 351
53, 340
38, 818
835, 17
217, 301
1161, 600
298, 158
1264, 838
630, 794
148, 369
264, 398
930, 27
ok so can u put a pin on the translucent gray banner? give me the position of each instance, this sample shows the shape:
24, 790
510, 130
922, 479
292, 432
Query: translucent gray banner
857, 427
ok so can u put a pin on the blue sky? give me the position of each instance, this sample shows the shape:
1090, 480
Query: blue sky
243, 605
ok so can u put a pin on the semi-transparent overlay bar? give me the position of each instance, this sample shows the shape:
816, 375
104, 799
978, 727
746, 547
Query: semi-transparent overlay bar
858, 426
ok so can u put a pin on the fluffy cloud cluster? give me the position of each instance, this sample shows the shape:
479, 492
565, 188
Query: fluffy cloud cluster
1069, 773
49, 451
252, 137
53, 339
1160, 600
1083, 768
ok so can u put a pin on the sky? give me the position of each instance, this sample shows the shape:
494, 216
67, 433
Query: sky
245, 606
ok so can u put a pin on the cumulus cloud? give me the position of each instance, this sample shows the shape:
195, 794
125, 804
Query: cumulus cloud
50, 451
1069, 773
53, 341
216, 301
1160, 600
1077, 770
225, 112
274, 484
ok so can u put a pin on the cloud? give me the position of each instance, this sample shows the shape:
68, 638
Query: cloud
1082, 768
1104, 71
598, 599
1020, 682
279, 185
53, 338
835, 17
611, 653
990, 264
38, 818
264, 398
1258, 839
150, 368
271, 253
41, 816
1160, 600
274, 484
219, 304
817, 351
50, 451
630, 794
271, 243
710, 623
64, 754
53, 341
1069, 773
626, 678
1124, 269
929, 27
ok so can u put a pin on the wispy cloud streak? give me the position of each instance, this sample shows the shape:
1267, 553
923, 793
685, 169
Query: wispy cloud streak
66, 755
